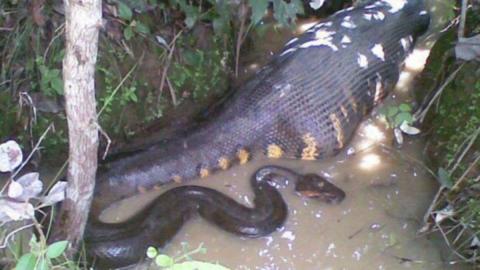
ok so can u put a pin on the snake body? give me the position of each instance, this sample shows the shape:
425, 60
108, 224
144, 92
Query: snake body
120, 244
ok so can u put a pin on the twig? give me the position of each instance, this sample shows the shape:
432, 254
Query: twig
109, 99
25, 96
33, 151
12, 233
109, 141
57, 175
458, 235
32, 117
357, 232
463, 177
186, 255
466, 242
463, 16
240, 38
172, 92
171, 49
454, 250
450, 25
5, 82
60, 30
467, 148
433, 204
421, 115
458, 152
127, 49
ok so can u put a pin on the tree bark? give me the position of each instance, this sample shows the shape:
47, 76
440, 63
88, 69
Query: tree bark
83, 20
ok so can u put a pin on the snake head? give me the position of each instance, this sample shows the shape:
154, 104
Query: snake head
316, 187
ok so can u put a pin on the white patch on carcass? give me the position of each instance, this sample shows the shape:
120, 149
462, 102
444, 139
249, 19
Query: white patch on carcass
346, 39
377, 50
396, 5
348, 23
322, 38
362, 60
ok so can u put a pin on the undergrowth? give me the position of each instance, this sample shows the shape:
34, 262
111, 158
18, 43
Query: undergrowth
149, 62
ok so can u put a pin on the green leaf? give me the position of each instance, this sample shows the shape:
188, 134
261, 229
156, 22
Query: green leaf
57, 85
164, 260
404, 107
391, 111
197, 265
43, 264
291, 11
58, 57
220, 25
258, 9
280, 11
142, 28
43, 70
401, 117
444, 178
152, 252
128, 32
54, 72
26, 262
190, 21
56, 249
124, 11
298, 7
133, 97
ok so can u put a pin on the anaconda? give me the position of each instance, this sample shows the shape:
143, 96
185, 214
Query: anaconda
120, 244
306, 103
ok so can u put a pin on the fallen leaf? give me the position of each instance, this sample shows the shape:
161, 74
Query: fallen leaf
407, 129
444, 214
56, 194
15, 190
15, 210
32, 186
316, 4
398, 136
10, 156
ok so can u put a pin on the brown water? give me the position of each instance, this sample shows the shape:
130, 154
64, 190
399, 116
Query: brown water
375, 227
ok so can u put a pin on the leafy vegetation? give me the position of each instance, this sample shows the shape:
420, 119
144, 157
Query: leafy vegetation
182, 262
460, 114
20, 198
31, 49
454, 140
202, 72
396, 115
44, 257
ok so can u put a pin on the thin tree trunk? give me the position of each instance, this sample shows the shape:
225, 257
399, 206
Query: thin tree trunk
83, 20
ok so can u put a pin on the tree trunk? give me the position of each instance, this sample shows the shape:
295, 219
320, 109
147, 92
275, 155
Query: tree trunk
83, 20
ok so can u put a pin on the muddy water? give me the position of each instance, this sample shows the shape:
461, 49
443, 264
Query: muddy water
375, 227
